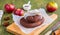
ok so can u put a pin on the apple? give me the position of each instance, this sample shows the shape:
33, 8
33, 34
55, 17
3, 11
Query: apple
9, 8
19, 12
51, 6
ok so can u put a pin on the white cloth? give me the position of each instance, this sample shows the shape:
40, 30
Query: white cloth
1, 13
29, 30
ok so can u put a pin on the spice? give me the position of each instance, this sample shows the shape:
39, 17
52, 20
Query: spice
7, 18
5, 23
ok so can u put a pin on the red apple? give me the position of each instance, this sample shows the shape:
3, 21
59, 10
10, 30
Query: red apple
19, 12
9, 8
51, 6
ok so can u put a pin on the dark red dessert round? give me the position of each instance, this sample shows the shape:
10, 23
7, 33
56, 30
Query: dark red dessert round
32, 21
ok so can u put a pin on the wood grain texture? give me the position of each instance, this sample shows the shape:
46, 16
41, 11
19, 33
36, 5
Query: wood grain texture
15, 29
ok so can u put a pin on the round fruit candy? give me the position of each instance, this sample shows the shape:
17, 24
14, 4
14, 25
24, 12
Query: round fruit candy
51, 6
19, 12
9, 8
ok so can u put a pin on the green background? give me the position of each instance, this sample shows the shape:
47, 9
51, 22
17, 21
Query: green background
19, 3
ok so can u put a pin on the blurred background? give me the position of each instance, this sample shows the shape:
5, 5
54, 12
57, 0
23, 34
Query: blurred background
36, 4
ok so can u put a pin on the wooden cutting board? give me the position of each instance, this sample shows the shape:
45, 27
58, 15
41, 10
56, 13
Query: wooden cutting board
15, 29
